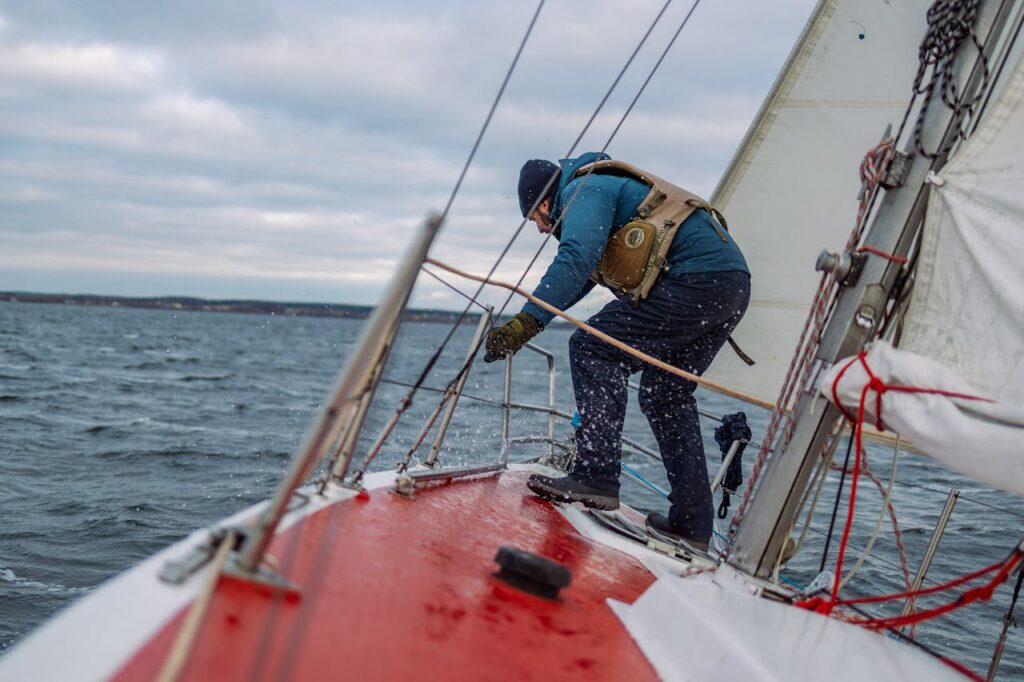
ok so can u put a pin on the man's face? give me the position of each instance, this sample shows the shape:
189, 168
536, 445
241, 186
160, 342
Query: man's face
542, 217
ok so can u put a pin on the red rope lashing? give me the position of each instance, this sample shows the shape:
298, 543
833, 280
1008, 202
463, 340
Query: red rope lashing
853, 481
962, 669
884, 254
980, 593
827, 606
925, 591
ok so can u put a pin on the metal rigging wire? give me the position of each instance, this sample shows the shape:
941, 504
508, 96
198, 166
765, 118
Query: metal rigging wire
550, 183
611, 137
407, 400
326, 544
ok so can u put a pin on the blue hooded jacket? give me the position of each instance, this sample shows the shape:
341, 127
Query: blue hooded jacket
594, 208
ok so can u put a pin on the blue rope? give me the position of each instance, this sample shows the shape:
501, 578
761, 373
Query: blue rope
653, 486
791, 583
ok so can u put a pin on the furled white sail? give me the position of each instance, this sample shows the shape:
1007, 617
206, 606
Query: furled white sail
945, 416
791, 189
967, 309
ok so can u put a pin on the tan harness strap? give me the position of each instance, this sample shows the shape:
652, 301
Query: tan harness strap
636, 255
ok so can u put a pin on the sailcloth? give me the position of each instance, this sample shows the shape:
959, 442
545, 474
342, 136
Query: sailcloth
790, 191
958, 425
967, 310
964, 329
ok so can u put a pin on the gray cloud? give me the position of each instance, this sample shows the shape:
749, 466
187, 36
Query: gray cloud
289, 150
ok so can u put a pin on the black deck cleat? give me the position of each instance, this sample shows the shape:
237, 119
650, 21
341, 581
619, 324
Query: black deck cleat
531, 573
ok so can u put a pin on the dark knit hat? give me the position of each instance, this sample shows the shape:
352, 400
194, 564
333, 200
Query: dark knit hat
533, 178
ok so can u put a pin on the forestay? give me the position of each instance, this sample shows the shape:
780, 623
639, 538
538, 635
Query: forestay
791, 189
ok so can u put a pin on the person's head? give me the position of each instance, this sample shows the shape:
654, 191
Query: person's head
536, 176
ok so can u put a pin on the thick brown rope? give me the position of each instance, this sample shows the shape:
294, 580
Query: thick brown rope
870, 434
706, 383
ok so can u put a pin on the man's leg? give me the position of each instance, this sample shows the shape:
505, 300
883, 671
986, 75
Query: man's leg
600, 374
678, 311
706, 310
668, 403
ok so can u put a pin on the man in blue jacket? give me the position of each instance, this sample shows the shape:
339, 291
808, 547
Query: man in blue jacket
684, 320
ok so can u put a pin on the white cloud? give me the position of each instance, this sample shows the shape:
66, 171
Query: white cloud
97, 66
26, 193
186, 114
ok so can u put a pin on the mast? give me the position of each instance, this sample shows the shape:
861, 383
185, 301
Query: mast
859, 311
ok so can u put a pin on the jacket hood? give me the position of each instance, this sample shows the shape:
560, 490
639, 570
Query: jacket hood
569, 168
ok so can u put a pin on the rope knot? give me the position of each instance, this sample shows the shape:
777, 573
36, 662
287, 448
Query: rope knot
873, 384
816, 605
877, 385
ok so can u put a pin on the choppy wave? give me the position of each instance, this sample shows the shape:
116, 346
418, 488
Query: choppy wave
9, 576
163, 363
204, 377
146, 364
129, 454
21, 354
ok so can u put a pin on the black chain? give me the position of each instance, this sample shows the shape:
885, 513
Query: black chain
950, 22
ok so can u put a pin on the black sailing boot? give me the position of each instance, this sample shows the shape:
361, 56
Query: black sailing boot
567, 489
658, 522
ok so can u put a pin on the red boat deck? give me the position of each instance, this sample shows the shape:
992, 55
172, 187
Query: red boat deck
400, 589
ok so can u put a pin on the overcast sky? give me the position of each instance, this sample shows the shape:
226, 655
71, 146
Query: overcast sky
288, 151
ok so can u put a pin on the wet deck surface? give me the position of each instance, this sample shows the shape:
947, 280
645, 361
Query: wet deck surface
400, 589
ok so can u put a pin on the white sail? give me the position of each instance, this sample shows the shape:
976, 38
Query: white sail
955, 423
967, 309
791, 189
964, 328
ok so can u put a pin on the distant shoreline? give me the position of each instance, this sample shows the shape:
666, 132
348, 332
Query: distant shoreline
252, 307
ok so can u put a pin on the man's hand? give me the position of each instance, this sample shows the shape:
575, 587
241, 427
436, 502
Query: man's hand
511, 336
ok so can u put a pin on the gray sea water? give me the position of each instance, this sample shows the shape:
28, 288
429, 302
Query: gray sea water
123, 430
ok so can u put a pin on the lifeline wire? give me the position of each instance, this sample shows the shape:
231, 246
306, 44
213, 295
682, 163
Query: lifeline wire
963, 498
433, 389
454, 288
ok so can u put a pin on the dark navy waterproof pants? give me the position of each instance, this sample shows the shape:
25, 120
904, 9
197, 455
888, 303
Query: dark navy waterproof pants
684, 321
